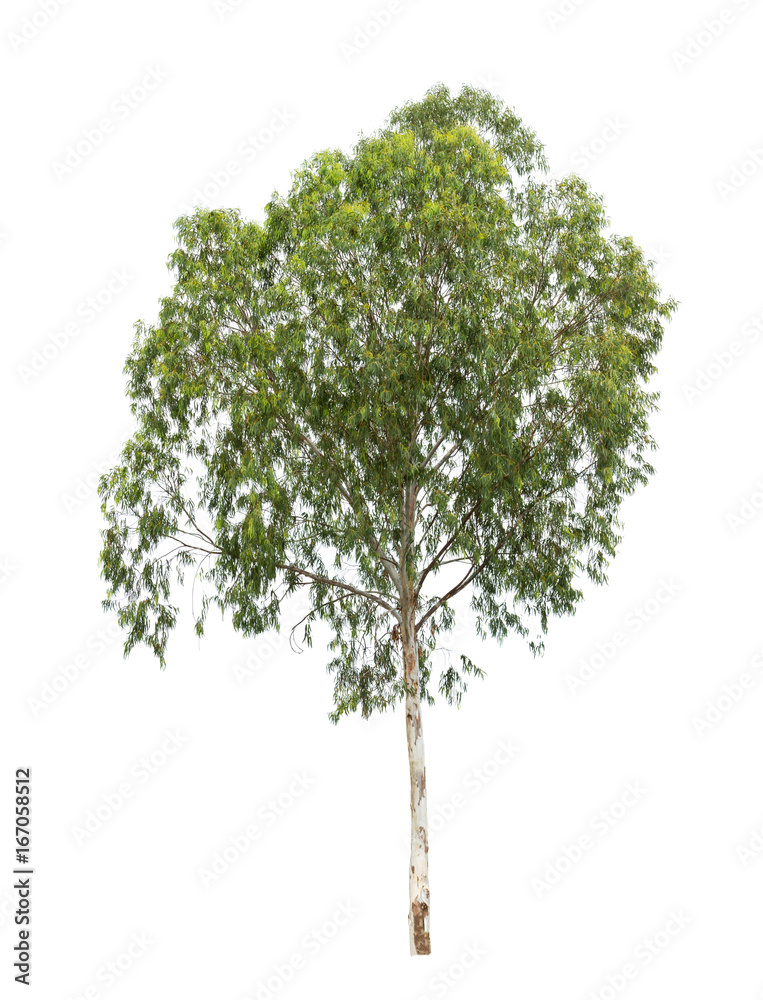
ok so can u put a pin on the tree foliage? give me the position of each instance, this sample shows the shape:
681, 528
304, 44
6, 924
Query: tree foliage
424, 371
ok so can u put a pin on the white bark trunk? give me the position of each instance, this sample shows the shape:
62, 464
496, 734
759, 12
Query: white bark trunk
418, 914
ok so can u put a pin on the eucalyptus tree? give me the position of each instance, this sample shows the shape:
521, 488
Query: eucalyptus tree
424, 372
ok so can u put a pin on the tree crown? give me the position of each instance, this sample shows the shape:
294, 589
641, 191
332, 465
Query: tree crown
424, 371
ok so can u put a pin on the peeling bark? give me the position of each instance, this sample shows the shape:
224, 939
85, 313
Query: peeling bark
418, 915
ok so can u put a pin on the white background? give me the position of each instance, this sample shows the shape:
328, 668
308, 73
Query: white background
676, 174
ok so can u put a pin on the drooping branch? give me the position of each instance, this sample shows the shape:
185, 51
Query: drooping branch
342, 585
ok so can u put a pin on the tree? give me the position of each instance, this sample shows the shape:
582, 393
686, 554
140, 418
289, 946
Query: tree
425, 371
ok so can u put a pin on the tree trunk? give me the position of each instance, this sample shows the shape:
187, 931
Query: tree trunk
418, 877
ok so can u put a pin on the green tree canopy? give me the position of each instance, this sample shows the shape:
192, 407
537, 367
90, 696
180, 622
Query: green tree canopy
424, 372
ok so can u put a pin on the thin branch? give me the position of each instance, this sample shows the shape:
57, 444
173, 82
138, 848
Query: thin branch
376, 598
